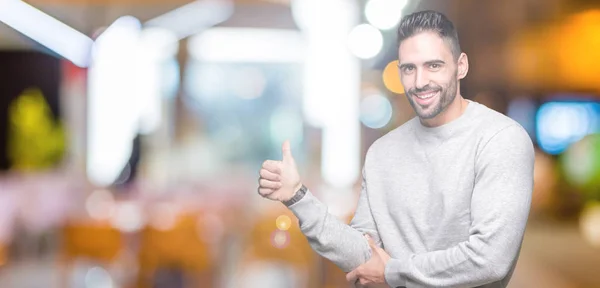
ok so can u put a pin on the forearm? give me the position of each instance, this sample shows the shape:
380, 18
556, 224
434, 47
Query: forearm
328, 236
464, 265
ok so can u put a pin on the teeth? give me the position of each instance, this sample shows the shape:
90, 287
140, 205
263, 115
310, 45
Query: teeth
427, 96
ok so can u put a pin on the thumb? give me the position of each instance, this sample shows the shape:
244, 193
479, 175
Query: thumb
287, 150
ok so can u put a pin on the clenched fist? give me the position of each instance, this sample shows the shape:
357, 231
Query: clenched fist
279, 180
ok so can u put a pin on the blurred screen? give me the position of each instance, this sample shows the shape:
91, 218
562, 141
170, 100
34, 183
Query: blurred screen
247, 109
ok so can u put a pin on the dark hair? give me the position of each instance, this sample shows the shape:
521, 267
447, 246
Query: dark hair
433, 21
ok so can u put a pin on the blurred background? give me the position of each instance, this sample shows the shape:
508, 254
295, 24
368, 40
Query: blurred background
132, 132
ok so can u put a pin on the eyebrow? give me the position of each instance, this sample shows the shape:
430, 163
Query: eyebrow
437, 61
404, 65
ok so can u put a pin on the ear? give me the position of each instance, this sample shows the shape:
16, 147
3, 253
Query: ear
463, 66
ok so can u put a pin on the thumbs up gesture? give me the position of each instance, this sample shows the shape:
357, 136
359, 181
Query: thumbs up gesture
279, 180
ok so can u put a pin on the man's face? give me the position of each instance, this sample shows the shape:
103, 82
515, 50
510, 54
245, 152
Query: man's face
428, 72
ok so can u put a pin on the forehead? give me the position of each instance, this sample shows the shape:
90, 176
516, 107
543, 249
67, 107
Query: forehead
422, 47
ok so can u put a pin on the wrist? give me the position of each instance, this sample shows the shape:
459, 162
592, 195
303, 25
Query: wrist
297, 188
299, 193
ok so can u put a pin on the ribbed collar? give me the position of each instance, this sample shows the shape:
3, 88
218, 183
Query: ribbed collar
439, 134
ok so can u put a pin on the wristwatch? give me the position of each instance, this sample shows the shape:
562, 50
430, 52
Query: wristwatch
297, 197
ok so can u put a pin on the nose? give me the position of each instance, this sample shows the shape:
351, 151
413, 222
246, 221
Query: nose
421, 79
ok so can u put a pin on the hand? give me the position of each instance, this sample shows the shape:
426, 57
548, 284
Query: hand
279, 180
372, 273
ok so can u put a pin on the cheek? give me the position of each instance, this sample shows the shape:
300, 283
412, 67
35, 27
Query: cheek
443, 79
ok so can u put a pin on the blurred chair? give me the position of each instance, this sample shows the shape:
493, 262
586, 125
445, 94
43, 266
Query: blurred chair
177, 247
90, 240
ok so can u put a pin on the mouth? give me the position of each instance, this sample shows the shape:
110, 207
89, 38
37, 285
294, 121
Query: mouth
425, 98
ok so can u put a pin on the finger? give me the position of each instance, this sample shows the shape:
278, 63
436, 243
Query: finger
272, 166
269, 184
352, 277
364, 282
371, 242
267, 175
265, 191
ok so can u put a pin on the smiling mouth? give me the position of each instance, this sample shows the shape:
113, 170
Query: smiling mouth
425, 95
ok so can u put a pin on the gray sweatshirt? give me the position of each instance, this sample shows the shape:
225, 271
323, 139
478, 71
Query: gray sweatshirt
449, 204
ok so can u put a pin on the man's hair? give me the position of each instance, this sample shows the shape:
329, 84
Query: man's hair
430, 21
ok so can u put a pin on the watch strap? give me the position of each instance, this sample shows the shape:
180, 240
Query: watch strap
297, 197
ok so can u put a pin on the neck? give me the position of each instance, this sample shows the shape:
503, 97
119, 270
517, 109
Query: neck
453, 111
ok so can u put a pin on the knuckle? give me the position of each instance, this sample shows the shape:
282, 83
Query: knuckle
267, 164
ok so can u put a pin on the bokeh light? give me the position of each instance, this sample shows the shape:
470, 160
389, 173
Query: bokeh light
283, 222
164, 216
581, 164
578, 163
365, 41
375, 111
100, 205
576, 64
384, 14
128, 217
391, 78
97, 277
559, 124
589, 223
280, 239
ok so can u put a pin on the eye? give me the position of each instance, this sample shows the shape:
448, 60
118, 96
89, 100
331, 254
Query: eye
407, 69
435, 66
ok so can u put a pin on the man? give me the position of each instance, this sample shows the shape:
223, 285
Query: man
445, 197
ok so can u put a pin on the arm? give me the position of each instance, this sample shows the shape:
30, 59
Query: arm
499, 210
343, 244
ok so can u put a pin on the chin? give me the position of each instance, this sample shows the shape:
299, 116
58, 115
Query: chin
429, 112
427, 115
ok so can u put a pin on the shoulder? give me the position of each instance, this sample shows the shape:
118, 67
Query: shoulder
499, 133
491, 121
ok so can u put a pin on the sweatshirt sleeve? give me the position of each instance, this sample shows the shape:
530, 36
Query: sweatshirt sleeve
343, 244
499, 210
